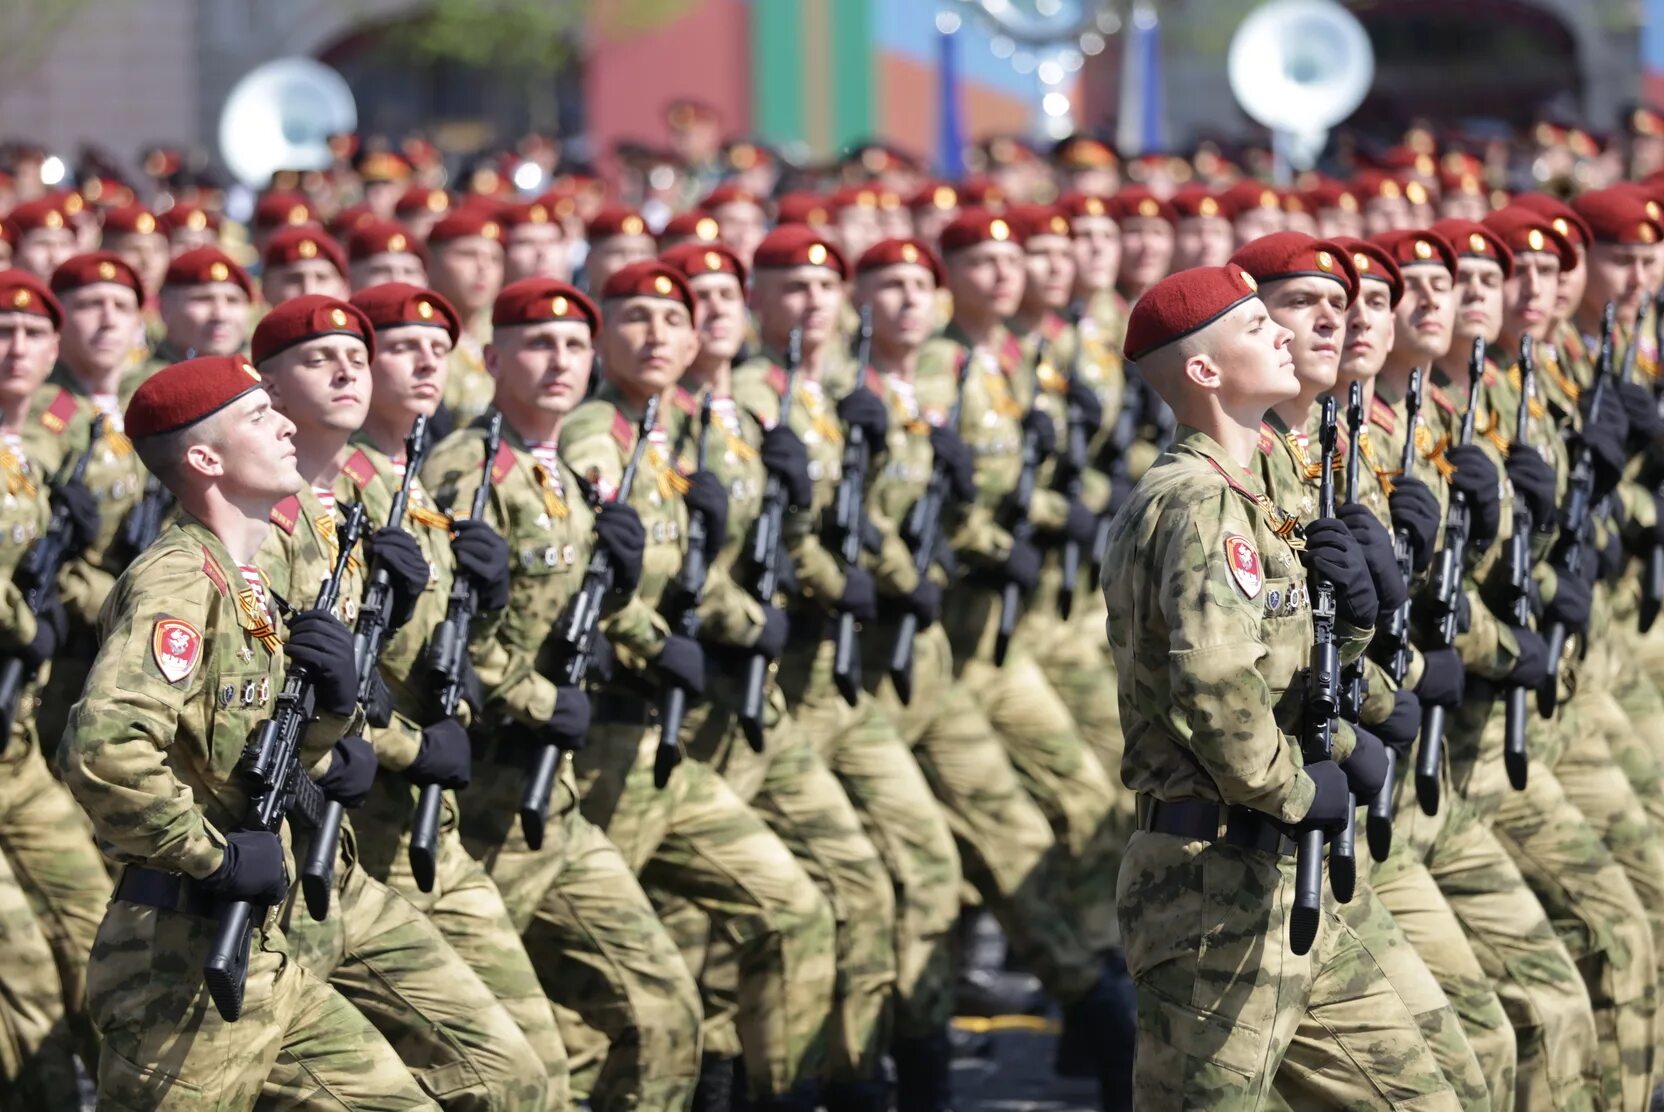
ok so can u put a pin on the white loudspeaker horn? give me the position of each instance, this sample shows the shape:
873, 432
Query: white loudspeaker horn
1300, 67
280, 116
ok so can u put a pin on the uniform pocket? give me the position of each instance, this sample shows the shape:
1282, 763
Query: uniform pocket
1202, 1035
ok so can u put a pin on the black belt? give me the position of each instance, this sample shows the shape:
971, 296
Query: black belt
613, 708
166, 891
1216, 822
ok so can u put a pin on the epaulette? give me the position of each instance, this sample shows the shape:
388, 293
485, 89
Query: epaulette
685, 402
58, 414
1052, 326
623, 430
286, 514
216, 575
1440, 398
504, 463
1382, 415
1268, 439
1011, 353
359, 468
777, 378
875, 382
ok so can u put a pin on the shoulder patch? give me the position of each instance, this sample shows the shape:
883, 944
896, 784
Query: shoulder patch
1244, 561
286, 514
359, 468
504, 463
1441, 399
216, 574
177, 646
57, 415
777, 379
1268, 440
623, 431
684, 402
1381, 414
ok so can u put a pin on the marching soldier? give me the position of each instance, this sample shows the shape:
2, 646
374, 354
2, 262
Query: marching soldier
205, 307
466, 269
381, 251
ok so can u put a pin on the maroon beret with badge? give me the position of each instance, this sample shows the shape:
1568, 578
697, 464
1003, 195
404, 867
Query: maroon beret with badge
1194, 200
185, 214
130, 220
95, 267
1136, 201
1561, 216
974, 226
1246, 195
730, 193
283, 208
1472, 240
22, 292
1417, 247
1077, 205
1183, 303
1030, 220
422, 199
1617, 216
799, 245
178, 396
695, 260
301, 244
615, 220
383, 237
535, 300
1284, 255
801, 208
396, 304
465, 222
694, 225
306, 318
1372, 263
649, 278
201, 266
42, 212
1526, 232
934, 195
899, 252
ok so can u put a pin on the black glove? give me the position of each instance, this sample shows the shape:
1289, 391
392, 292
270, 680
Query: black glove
569, 724
1415, 509
1531, 669
1641, 411
1366, 768
82, 508
1391, 592
860, 595
706, 495
1533, 481
1039, 422
252, 869
1332, 800
771, 642
619, 532
407, 572
862, 409
351, 771
1606, 438
1610, 560
1657, 535
1080, 526
1022, 566
925, 602
1443, 678
378, 700
323, 646
1399, 731
1573, 596
1477, 480
51, 627
1084, 400
787, 459
682, 662
955, 459
1332, 553
482, 556
445, 757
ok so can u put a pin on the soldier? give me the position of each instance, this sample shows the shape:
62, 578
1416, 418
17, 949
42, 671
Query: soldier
188, 225
467, 271
631, 1017
1212, 731
275, 210
616, 237
302, 260
381, 251
534, 243
1146, 224
1203, 235
150, 753
1254, 209
740, 219
42, 235
205, 303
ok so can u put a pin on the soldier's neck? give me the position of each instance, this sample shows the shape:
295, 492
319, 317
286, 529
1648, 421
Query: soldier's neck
1027, 318
94, 380
814, 355
318, 455
981, 331
1297, 410
898, 360
1395, 376
535, 426
710, 371
241, 525
1237, 433
387, 431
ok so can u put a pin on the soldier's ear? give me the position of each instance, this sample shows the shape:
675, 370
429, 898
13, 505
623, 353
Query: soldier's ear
204, 460
1201, 369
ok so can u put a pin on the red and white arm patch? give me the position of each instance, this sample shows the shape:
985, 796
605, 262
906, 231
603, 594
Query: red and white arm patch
1244, 561
177, 646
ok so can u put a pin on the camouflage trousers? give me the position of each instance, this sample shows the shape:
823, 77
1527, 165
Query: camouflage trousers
1225, 1007
1006, 847
299, 1044
698, 840
627, 1006
866, 752
391, 963
36, 1065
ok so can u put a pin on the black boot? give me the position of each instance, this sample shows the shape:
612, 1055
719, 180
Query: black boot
715, 1091
924, 1073
1099, 1031
856, 1096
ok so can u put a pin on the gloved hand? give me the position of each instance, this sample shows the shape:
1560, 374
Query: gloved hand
1415, 509
955, 459
1476, 479
1641, 412
1332, 553
82, 508
1531, 668
482, 556
1606, 437
351, 772
323, 646
771, 642
1443, 678
1573, 596
51, 626
251, 870
1080, 526
707, 495
864, 410
925, 602
392, 548
1084, 400
1022, 566
618, 532
378, 701
1332, 800
682, 662
1044, 429
1391, 591
786, 458
1399, 731
1533, 481
570, 721
445, 757
860, 595
1366, 768
1610, 559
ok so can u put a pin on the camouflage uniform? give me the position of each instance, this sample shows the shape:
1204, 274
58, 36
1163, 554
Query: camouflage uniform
696, 838
469, 387
1200, 561
626, 1004
151, 753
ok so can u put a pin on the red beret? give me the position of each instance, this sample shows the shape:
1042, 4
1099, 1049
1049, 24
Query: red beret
697, 259
854, 196
306, 318
1331, 194
1561, 216
934, 194
465, 221
396, 304
1082, 152
1283, 255
95, 267
799, 245
1183, 303
1247, 195
1525, 232
515, 215
1417, 247
1136, 201
1293, 201
698, 225
649, 278
383, 237
559, 203
1371, 185
22, 292
349, 220
201, 266
1194, 200
977, 225
1472, 240
802, 208
1371, 261
981, 192
1078, 205
615, 220
730, 193
301, 243
130, 220
1458, 182
280, 208
420, 199
1037, 220
184, 214
535, 300
42, 212
178, 396
896, 252
1616, 216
